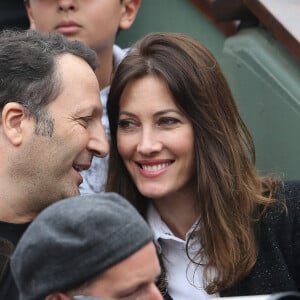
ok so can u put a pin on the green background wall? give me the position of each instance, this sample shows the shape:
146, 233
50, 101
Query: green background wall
263, 75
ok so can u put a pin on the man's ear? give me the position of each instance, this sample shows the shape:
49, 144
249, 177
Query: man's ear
13, 120
130, 10
29, 14
57, 296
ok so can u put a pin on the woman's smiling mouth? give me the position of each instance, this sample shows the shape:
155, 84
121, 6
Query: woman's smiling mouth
153, 168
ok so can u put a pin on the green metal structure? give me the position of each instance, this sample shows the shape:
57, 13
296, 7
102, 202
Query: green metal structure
264, 77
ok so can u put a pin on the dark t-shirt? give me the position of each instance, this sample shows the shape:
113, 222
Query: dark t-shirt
10, 234
13, 15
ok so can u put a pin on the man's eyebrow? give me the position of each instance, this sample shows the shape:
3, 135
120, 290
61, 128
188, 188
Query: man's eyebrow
94, 110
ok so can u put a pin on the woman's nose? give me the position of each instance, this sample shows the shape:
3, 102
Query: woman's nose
148, 143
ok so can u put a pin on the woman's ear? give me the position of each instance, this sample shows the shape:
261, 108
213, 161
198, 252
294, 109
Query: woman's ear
13, 122
130, 10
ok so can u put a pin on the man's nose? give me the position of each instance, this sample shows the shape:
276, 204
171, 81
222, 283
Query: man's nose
98, 143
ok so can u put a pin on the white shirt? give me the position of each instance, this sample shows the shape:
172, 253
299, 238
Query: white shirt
184, 278
94, 179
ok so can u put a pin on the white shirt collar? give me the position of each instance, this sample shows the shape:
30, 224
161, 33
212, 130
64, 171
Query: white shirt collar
161, 229
180, 271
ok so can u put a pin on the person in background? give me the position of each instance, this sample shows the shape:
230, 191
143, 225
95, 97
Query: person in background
93, 245
95, 23
181, 154
50, 130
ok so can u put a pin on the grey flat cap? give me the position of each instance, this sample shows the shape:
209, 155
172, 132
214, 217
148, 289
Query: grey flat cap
74, 240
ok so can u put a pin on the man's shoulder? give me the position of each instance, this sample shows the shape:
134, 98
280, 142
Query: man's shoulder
11, 231
8, 289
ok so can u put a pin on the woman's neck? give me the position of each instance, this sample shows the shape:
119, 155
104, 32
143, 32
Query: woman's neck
179, 212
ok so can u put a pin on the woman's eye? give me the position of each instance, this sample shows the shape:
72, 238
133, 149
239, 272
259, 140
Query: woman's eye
168, 121
125, 124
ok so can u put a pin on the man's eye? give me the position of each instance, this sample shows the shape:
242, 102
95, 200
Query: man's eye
136, 294
84, 121
87, 119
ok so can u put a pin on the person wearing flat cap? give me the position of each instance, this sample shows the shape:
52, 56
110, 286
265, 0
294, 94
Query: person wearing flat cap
94, 245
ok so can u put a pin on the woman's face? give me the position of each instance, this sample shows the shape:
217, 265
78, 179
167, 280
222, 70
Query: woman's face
155, 139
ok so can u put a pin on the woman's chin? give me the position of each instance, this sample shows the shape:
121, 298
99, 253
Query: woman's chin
153, 192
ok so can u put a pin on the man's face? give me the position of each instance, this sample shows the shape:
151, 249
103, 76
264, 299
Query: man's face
93, 22
131, 279
53, 162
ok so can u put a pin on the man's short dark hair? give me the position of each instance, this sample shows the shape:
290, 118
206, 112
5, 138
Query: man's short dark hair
28, 72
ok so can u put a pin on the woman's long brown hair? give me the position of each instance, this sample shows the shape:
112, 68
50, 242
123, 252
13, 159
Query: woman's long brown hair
230, 192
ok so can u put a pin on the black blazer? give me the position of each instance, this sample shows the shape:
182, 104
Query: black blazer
278, 241
278, 263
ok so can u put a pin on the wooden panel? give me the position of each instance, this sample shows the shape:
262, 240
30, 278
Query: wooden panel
281, 17
206, 7
229, 10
